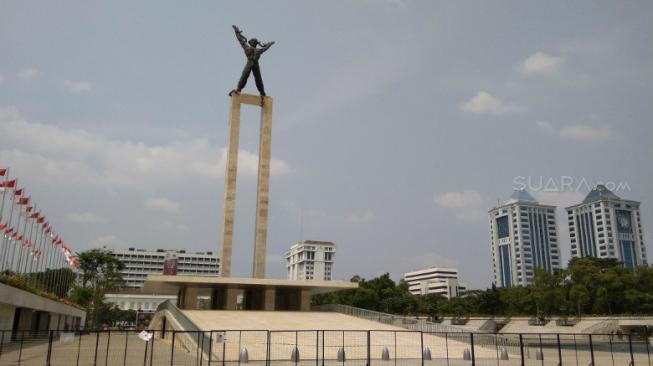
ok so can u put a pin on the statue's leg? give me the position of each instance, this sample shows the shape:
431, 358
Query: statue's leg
243, 77
259, 80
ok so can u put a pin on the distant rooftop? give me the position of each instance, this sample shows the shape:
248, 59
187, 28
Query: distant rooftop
162, 251
600, 192
317, 242
521, 195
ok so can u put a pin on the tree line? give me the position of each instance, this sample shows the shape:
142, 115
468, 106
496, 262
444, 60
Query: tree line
588, 286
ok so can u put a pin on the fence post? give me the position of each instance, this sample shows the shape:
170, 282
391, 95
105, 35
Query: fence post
369, 348
124, 357
591, 350
224, 348
151, 347
20, 352
646, 341
471, 341
211, 347
172, 349
446, 345
97, 343
559, 350
521, 348
106, 357
145, 355
322, 348
79, 348
317, 347
50, 336
268, 350
630, 348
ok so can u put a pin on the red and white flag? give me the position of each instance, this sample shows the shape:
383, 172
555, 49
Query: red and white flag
8, 184
18, 192
23, 201
3, 171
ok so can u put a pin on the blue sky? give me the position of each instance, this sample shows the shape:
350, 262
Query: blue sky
397, 124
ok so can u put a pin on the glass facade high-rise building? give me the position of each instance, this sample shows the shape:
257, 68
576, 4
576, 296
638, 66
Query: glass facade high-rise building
523, 236
607, 226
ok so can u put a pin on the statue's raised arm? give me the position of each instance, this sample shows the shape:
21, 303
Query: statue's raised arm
239, 35
266, 46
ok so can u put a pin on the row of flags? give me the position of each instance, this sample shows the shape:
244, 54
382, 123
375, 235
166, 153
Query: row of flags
21, 223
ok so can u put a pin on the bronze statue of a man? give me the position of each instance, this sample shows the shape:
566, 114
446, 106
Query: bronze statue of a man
253, 54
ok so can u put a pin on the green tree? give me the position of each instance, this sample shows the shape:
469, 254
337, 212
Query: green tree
579, 296
57, 281
100, 274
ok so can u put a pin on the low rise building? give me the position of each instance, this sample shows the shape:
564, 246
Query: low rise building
435, 280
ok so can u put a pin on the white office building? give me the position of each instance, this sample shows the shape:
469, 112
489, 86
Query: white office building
311, 260
138, 301
435, 280
140, 262
606, 226
523, 236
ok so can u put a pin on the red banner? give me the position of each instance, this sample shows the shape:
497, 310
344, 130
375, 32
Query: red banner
170, 266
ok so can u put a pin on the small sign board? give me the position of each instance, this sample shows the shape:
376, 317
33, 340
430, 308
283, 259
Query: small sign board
67, 337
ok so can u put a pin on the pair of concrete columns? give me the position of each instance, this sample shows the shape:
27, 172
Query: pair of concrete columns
263, 185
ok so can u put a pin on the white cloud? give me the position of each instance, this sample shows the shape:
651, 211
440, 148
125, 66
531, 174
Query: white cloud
29, 73
364, 216
47, 152
586, 133
162, 204
467, 198
485, 103
76, 87
541, 63
84, 217
467, 205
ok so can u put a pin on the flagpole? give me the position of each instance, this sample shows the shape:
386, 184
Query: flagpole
22, 241
4, 193
7, 238
50, 257
30, 256
60, 270
16, 230
2, 209
34, 264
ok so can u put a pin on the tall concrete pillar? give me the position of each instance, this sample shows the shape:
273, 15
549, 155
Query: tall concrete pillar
229, 204
262, 190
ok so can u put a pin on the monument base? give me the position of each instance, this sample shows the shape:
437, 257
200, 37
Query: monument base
229, 293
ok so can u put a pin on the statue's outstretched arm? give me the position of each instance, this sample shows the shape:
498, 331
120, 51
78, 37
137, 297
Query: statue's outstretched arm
266, 46
239, 35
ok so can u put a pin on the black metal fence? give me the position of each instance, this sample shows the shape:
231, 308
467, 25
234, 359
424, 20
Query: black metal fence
320, 348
